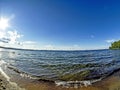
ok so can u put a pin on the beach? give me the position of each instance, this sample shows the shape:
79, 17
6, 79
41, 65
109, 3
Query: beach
17, 82
6, 84
110, 83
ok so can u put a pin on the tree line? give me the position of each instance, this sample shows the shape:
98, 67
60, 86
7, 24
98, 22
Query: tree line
115, 45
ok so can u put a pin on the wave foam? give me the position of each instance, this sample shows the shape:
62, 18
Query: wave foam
21, 73
2, 62
4, 74
12, 85
76, 84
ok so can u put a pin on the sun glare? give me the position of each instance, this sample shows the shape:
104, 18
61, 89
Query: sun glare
3, 23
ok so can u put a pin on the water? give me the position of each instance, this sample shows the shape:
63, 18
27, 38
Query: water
62, 65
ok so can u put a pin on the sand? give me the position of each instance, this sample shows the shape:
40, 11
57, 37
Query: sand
23, 83
110, 83
8, 85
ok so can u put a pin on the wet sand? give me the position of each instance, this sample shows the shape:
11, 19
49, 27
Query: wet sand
110, 83
6, 84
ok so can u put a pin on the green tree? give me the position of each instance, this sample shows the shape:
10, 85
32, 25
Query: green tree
115, 45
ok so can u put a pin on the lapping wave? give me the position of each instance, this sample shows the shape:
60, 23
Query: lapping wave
75, 78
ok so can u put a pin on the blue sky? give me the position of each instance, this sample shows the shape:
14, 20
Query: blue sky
62, 24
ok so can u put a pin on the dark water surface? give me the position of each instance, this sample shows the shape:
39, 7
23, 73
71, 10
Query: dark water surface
62, 65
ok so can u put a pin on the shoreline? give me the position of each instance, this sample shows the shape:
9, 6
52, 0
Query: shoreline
10, 80
23, 83
6, 84
110, 83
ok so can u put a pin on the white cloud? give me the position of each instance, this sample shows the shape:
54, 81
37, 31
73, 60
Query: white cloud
49, 47
2, 34
110, 40
4, 23
10, 37
29, 42
54, 47
75, 45
13, 36
29, 45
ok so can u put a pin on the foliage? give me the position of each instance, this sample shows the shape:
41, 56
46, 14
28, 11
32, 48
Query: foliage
115, 45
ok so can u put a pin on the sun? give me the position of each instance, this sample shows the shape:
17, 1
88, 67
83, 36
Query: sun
4, 23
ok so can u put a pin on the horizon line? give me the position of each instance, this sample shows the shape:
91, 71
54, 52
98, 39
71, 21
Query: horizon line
51, 49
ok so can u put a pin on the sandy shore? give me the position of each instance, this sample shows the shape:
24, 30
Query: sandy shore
110, 83
7, 85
